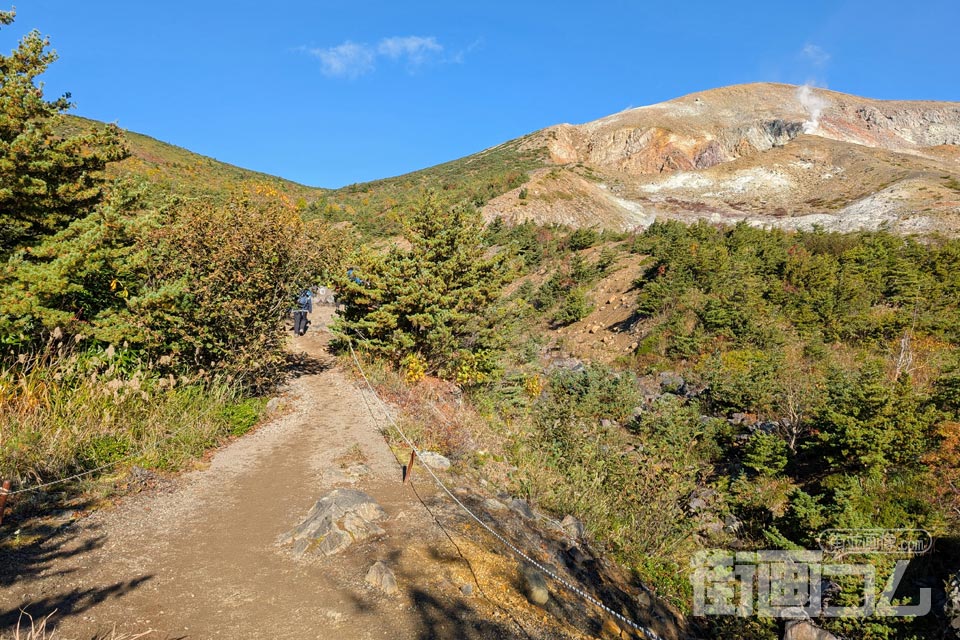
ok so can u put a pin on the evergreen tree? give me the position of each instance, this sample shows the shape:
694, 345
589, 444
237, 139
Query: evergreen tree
432, 300
46, 180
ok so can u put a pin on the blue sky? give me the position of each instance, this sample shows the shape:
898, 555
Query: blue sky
330, 93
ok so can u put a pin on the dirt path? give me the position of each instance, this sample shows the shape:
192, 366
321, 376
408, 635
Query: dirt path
200, 559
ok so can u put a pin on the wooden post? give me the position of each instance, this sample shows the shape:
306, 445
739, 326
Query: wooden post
4, 490
409, 468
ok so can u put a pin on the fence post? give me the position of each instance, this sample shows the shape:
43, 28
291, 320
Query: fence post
4, 491
409, 468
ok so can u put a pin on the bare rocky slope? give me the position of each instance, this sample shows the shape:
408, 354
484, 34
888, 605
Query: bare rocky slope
771, 154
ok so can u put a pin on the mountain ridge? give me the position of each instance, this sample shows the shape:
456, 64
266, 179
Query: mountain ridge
770, 154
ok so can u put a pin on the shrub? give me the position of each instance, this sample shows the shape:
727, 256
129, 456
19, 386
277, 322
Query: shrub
582, 239
435, 299
766, 454
575, 307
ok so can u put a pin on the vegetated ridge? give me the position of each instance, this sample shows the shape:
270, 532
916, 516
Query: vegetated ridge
771, 154
183, 171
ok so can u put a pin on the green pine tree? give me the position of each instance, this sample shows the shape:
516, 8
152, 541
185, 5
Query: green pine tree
433, 299
46, 180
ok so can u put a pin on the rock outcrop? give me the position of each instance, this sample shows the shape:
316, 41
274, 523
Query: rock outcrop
336, 521
771, 154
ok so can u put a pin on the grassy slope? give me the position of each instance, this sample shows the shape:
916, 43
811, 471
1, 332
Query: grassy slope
474, 179
183, 171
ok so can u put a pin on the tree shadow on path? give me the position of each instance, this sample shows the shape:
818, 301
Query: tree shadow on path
72, 602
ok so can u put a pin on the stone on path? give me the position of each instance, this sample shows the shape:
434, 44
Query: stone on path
535, 586
336, 521
381, 577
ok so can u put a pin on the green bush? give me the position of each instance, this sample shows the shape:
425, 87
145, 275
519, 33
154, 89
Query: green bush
582, 239
575, 307
435, 299
766, 453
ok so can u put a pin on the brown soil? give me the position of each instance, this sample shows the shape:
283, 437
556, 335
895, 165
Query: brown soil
198, 558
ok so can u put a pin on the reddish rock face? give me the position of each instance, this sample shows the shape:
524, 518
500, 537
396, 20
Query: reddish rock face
768, 153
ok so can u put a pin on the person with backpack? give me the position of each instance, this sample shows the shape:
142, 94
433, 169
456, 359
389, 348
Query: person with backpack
304, 306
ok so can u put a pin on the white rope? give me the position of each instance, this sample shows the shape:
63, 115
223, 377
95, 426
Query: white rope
574, 589
68, 479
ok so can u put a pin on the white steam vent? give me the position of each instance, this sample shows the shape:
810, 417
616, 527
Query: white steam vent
813, 105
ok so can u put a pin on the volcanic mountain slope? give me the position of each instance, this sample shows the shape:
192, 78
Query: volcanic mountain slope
771, 154
182, 171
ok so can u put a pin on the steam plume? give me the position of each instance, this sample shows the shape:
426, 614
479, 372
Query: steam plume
813, 105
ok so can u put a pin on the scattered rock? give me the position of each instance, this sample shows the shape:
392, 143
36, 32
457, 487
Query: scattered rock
572, 527
671, 382
435, 461
700, 499
643, 600
712, 527
805, 630
610, 630
492, 504
570, 364
764, 427
381, 577
522, 507
358, 470
466, 589
272, 405
535, 586
731, 524
336, 521
952, 606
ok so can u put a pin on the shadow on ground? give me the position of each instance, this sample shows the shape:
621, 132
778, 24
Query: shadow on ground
31, 542
39, 548
66, 604
456, 619
576, 562
302, 364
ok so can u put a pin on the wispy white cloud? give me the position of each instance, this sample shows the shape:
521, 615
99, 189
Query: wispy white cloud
414, 49
353, 59
815, 54
349, 59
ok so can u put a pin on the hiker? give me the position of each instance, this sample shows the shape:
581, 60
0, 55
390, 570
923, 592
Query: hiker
304, 306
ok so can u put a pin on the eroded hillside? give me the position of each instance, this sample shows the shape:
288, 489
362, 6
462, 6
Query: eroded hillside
771, 154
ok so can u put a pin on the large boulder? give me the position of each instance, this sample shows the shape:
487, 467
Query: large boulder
336, 521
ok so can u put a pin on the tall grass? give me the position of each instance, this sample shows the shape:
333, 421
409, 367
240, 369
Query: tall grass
60, 415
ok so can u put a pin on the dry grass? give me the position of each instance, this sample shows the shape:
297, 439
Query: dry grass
63, 416
30, 629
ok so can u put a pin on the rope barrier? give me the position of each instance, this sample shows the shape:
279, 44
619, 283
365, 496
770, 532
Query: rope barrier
69, 478
565, 583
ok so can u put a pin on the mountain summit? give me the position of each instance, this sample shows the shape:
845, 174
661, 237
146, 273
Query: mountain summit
771, 154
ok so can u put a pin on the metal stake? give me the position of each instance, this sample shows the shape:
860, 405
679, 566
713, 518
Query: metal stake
4, 490
409, 468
